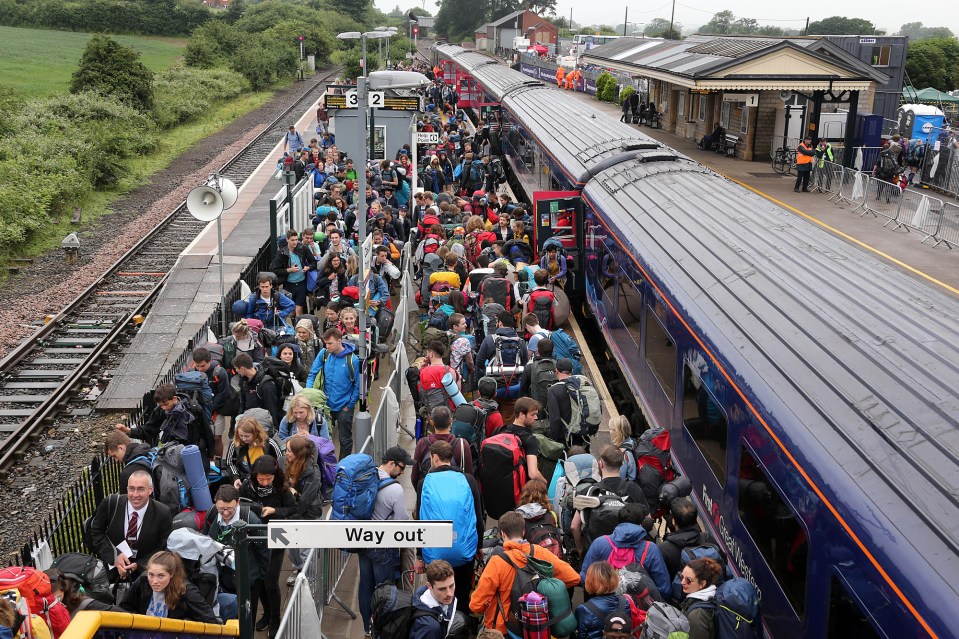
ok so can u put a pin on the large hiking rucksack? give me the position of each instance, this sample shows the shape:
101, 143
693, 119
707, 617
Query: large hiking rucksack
540, 304
393, 612
469, 422
278, 371
507, 349
477, 175
665, 622
586, 410
196, 386
565, 347
654, 466
496, 171
542, 531
447, 496
326, 460
89, 572
537, 575
542, 376
355, 487
735, 610
888, 166
33, 585
171, 486
496, 290
502, 473
704, 551
621, 611
604, 518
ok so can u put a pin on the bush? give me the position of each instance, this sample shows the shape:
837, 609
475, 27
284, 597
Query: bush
181, 94
606, 90
625, 92
263, 61
149, 17
111, 68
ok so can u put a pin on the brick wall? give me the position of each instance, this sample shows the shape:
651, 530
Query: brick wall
762, 125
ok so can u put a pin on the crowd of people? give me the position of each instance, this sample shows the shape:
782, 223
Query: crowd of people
505, 429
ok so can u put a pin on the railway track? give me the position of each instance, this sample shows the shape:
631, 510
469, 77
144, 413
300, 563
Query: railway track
41, 376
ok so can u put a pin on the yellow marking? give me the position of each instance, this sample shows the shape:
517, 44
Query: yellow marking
846, 236
609, 408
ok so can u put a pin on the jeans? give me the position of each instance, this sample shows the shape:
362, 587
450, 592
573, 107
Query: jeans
343, 419
228, 606
376, 566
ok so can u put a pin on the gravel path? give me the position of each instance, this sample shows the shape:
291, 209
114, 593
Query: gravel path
38, 483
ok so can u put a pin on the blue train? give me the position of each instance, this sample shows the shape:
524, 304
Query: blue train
810, 389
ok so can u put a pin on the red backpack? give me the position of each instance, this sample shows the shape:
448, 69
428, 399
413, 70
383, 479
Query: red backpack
654, 466
34, 586
496, 290
541, 302
502, 472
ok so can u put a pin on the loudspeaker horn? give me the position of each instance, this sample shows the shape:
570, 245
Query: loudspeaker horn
204, 203
228, 192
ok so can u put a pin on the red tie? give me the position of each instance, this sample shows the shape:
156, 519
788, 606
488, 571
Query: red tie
132, 528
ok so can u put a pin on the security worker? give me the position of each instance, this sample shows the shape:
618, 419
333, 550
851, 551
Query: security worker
804, 157
560, 74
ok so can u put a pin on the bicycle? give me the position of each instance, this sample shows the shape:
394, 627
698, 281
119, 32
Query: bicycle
784, 160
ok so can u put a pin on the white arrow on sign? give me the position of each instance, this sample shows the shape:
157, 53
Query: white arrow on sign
429, 137
360, 534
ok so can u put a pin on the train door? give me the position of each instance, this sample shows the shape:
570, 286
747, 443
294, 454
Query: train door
558, 215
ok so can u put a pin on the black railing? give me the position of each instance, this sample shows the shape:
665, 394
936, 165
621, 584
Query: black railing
62, 531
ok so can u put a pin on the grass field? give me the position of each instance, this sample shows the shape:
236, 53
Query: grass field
36, 62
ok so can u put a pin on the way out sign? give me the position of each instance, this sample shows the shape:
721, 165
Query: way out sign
360, 534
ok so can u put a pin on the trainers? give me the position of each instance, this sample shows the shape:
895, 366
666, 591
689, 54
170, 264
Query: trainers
292, 578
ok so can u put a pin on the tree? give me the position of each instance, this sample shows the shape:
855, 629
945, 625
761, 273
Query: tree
745, 26
416, 11
770, 30
659, 28
113, 69
838, 25
457, 19
541, 7
351, 61
934, 63
916, 31
720, 23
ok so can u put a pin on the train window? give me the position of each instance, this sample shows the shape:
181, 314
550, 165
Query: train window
775, 530
705, 422
661, 354
846, 618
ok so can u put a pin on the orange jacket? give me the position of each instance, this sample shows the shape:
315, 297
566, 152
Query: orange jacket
804, 154
560, 73
497, 581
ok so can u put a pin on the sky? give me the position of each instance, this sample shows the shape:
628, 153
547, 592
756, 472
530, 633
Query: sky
694, 13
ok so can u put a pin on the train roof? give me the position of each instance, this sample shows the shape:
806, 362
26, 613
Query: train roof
856, 361
500, 80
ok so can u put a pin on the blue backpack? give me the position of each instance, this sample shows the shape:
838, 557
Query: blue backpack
355, 487
735, 610
447, 496
704, 551
477, 174
565, 346
196, 385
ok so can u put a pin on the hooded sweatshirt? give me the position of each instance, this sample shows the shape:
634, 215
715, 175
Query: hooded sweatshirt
134, 450
632, 536
341, 391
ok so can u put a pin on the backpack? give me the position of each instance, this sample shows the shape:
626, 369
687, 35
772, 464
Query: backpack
735, 610
326, 460
637, 584
171, 485
89, 572
604, 518
665, 622
496, 290
703, 551
437, 334
469, 423
586, 410
393, 612
477, 174
444, 496
887, 165
497, 171
541, 302
542, 376
621, 611
506, 374
196, 386
355, 486
542, 531
33, 585
228, 344
502, 472
439, 319
537, 575
279, 371
565, 346
654, 466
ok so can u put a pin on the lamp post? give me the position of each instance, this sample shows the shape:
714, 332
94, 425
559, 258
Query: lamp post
380, 80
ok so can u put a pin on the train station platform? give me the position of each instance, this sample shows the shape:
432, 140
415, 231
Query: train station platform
938, 266
192, 290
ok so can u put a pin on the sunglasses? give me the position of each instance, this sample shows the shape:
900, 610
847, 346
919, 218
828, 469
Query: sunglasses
688, 580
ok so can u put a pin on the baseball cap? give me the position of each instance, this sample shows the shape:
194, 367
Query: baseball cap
564, 365
617, 626
398, 455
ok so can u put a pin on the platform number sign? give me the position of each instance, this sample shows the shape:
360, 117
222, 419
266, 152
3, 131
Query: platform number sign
377, 99
352, 99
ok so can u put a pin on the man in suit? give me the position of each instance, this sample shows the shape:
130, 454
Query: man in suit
126, 530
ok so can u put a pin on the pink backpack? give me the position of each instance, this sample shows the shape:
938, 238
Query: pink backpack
622, 557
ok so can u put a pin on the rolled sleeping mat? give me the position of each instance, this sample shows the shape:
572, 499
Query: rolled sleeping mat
449, 385
560, 306
196, 475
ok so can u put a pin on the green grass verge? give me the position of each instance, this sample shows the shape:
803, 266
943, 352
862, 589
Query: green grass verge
173, 143
38, 62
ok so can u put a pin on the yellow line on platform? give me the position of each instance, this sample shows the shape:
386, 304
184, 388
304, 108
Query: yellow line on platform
846, 236
609, 408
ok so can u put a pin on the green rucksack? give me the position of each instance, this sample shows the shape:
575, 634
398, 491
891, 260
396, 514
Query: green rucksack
587, 410
537, 575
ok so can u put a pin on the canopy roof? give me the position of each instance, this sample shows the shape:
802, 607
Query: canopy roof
928, 94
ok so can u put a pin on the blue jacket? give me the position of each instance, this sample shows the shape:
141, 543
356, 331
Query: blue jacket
560, 261
340, 391
319, 428
630, 536
257, 307
591, 626
378, 289
429, 626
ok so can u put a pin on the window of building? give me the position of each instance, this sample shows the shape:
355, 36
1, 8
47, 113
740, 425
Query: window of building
661, 354
775, 530
705, 422
681, 104
724, 114
880, 55
846, 618
744, 121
